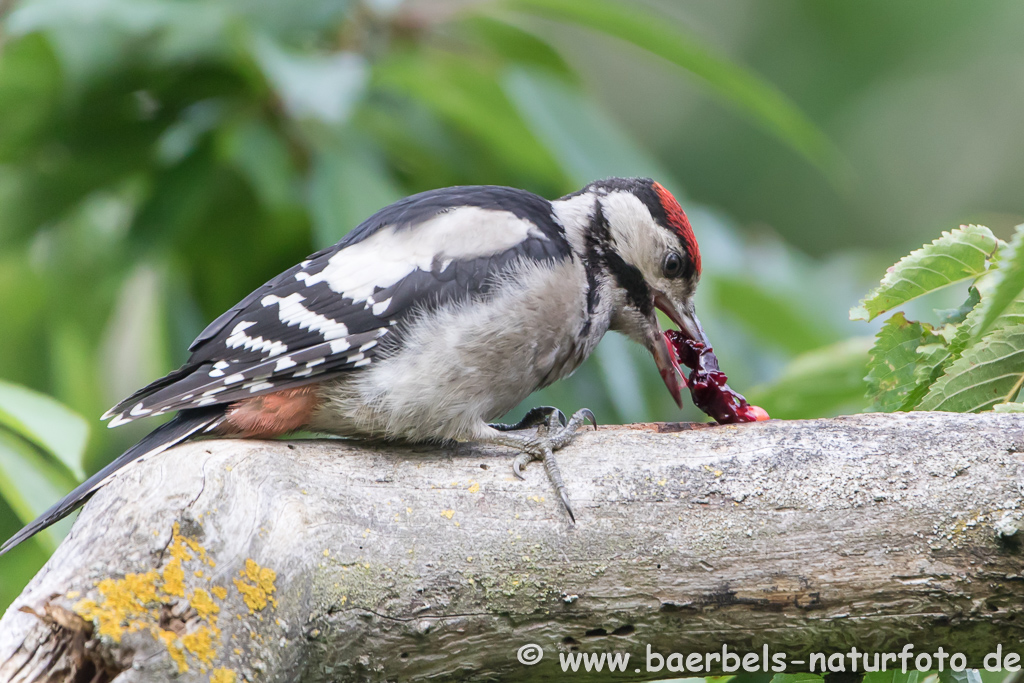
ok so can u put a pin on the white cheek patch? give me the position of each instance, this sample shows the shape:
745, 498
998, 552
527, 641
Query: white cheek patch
391, 253
638, 238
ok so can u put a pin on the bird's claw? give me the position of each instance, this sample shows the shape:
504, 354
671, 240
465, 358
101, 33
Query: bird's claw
520, 462
553, 432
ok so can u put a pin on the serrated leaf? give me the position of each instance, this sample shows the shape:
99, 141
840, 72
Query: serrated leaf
1007, 284
893, 362
959, 255
987, 373
1011, 314
763, 102
934, 359
46, 423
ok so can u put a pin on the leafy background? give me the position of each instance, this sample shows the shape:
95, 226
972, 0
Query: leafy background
161, 158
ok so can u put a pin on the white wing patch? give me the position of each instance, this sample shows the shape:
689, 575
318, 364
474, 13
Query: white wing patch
390, 254
257, 344
381, 307
292, 312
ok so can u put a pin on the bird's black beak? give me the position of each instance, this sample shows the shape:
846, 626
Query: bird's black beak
664, 355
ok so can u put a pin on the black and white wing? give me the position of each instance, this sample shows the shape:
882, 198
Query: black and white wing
337, 310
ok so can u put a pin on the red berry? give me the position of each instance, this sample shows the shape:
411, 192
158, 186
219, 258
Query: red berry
759, 413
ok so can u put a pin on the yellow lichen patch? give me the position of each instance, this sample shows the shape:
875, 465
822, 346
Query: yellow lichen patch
199, 644
448, 513
138, 602
204, 605
175, 650
223, 676
259, 591
124, 606
474, 487
174, 578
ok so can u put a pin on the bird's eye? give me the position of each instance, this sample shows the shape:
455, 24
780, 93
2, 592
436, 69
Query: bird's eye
673, 265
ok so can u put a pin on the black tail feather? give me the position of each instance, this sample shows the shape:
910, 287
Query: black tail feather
184, 425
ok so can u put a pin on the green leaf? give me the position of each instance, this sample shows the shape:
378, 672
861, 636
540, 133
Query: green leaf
29, 482
764, 103
585, 140
797, 678
1012, 314
322, 87
947, 675
894, 358
775, 317
468, 96
892, 676
91, 36
958, 255
824, 382
1007, 284
934, 359
987, 373
955, 316
46, 423
262, 156
1008, 408
30, 82
348, 183
513, 44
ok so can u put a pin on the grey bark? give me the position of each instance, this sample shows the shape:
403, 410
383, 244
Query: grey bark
417, 563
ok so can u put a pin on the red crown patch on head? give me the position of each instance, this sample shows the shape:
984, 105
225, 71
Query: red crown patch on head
678, 221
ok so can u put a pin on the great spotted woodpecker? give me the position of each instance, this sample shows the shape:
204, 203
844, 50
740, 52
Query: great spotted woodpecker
437, 315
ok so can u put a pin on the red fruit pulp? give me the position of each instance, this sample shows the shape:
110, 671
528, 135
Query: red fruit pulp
707, 384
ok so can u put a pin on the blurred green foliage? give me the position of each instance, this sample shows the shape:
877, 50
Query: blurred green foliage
159, 159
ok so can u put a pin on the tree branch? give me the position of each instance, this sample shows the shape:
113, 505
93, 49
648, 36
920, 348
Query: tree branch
335, 561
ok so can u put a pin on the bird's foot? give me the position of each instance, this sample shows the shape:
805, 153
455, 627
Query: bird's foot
541, 415
552, 432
